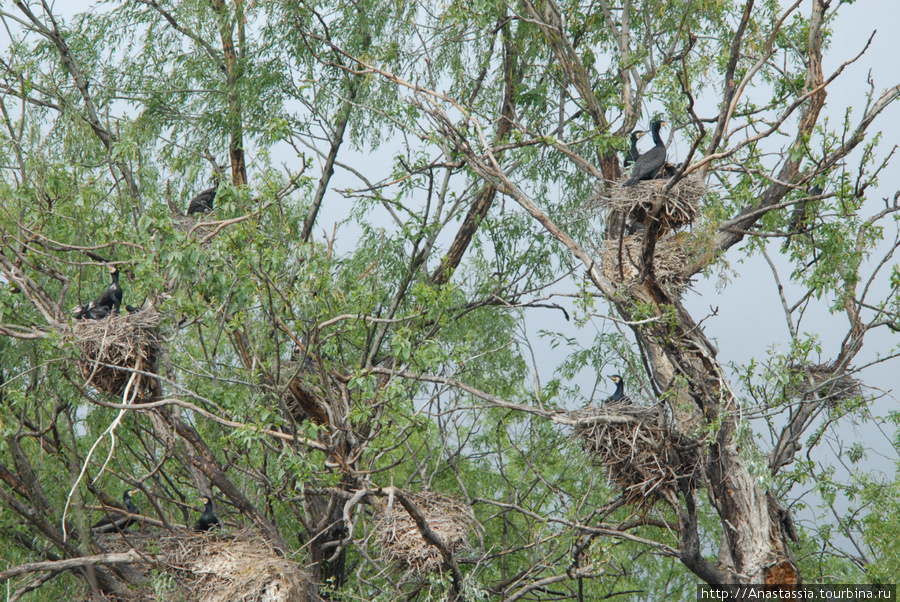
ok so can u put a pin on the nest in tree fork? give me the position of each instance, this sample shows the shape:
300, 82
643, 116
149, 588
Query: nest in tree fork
679, 207
637, 450
239, 567
820, 381
402, 542
670, 259
112, 348
303, 395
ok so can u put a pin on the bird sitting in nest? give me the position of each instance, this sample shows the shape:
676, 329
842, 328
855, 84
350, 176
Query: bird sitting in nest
116, 522
648, 164
203, 202
619, 395
208, 519
633, 154
111, 299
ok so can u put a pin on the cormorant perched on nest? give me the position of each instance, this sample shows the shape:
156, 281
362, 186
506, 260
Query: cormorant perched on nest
648, 164
633, 154
111, 298
619, 394
116, 522
203, 202
208, 519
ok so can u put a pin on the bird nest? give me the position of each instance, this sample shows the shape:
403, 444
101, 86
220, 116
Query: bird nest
402, 542
194, 226
820, 381
679, 207
670, 258
239, 567
114, 348
302, 394
637, 450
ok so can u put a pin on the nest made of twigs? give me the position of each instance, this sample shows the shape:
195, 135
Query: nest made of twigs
195, 226
818, 381
112, 348
636, 449
670, 259
303, 396
679, 207
238, 567
402, 542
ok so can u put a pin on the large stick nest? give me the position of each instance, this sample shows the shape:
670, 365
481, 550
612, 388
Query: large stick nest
640, 202
670, 259
239, 567
402, 542
637, 450
194, 226
821, 381
114, 347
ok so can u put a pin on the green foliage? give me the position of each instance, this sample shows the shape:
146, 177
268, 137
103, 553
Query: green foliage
408, 375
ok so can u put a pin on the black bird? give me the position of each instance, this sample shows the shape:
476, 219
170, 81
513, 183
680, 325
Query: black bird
208, 519
648, 164
111, 298
203, 202
81, 312
619, 394
97, 312
116, 522
668, 170
633, 154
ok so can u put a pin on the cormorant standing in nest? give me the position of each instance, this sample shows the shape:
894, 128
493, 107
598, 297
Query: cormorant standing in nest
208, 519
633, 154
116, 522
111, 298
203, 202
648, 164
619, 394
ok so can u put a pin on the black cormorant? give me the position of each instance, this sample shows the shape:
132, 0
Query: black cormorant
619, 394
111, 298
97, 312
113, 522
633, 154
81, 312
203, 202
208, 519
649, 163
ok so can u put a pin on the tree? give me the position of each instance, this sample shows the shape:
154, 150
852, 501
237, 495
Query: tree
324, 388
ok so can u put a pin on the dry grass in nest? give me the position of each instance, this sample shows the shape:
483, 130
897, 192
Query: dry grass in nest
636, 449
238, 567
111, 348
670, 258
825, 385
678, 208
194, 226
400, 539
